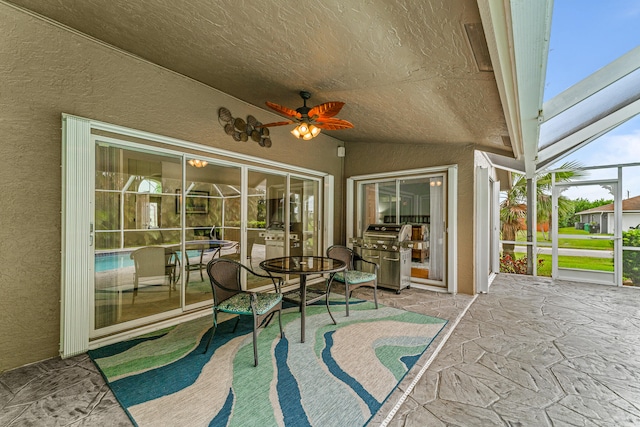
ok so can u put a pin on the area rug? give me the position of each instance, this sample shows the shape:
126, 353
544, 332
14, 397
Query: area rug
340, 376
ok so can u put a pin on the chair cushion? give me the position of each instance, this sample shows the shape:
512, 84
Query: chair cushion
241, 303
355, 277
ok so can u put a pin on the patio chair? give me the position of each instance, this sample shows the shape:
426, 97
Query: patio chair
236, 254
198, 265
355, 275
153, 266
228, 297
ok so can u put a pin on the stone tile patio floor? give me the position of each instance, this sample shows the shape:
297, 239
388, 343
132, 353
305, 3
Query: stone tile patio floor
532, 352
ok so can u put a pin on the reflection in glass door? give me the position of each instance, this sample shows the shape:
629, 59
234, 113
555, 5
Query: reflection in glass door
154, 236
419, 201
212, 211
160, 218
267, 215
304, 214
137, 223
130, 213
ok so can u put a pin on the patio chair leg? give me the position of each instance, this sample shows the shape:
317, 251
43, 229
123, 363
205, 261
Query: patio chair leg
326, 302
375, 293
255, 340
280, 320
326, 298
236, 325
347, 295
269, 318
213, 331
135, 289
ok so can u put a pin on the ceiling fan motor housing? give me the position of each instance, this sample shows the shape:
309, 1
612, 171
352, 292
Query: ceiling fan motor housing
304, 110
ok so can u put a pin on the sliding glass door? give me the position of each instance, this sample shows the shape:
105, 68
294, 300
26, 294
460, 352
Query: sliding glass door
161, 216
289, 209
137, 215
305, 214
142, 215
416, 200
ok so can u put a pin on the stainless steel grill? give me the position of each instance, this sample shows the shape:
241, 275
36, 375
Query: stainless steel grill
274, 242
383, 244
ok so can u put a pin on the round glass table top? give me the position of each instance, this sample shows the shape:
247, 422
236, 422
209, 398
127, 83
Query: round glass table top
302, 265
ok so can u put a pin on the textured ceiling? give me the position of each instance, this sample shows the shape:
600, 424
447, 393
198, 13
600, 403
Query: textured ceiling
405, 69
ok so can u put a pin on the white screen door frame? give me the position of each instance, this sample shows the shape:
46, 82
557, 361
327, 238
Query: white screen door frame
580, 275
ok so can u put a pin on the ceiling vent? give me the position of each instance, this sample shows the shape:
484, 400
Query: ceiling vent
478, 43
506, 141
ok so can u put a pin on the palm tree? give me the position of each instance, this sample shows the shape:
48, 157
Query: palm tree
513, 209
513, 212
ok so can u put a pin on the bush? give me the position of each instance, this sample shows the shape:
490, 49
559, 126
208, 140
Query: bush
509, 264
631, 259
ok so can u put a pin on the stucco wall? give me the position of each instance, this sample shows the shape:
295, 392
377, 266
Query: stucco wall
394, 157
46, 70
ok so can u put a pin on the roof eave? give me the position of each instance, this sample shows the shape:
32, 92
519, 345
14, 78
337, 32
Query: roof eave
518, 38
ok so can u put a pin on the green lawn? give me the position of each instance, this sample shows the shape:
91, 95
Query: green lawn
586, 263
570, 243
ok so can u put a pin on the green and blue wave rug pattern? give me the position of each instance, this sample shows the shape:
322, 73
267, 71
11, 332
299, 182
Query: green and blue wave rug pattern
340, 376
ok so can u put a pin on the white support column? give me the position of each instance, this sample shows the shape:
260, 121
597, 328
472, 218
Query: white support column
452, 230
532, 226
554, 227
617, 238
78, 154
482, 230
328, 195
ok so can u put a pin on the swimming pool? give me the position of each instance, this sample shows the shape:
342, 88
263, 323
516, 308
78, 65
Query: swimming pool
112, 261
115, 260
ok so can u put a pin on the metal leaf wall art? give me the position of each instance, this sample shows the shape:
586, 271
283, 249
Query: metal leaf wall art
244, 130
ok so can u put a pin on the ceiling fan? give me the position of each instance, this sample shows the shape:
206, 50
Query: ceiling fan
310, 119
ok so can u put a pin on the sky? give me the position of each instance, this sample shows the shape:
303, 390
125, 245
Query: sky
586, 35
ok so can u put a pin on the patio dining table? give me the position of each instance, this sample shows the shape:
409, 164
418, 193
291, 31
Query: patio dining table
202, 246
302, 266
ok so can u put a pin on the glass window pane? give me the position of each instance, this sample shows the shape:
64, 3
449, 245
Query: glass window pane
212, 215
422, 206
304, 199
379, 204
266, 211
143, 209
136, 220
421, 202
387, 202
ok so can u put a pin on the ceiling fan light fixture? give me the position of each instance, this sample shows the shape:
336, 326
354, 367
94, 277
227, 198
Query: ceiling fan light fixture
310, 120
305, 131
197, 163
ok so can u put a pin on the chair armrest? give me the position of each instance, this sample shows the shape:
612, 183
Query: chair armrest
277, 284
362, 260
277, 281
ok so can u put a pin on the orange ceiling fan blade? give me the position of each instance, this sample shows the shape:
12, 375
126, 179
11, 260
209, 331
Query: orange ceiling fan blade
328, 109
285, 111
333, 124
322, 115
268, 125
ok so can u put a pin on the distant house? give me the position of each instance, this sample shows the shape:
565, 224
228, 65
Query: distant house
603, 215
